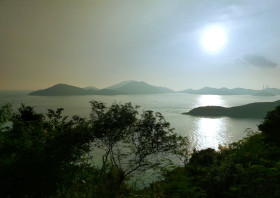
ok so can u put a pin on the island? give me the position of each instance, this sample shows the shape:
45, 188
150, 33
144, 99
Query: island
132, 87
123, 88
235, 91
252, 110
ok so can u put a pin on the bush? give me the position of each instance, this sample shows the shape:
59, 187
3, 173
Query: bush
37, 153
271, 125
46, 155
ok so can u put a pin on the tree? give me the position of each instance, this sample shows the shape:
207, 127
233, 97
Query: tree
38, 152
271, 125
44, 155
5, 114
132, 142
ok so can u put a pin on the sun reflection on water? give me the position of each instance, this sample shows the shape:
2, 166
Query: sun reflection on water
210, 100
211, 132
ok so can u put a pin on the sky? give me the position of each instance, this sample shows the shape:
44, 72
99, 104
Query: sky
103, 42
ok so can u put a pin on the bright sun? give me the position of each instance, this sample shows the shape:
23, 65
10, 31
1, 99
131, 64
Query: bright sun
213, 38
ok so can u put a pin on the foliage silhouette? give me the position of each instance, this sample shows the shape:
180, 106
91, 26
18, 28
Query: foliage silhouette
247, 168
270, 126
132, 143
46, 155
37, 153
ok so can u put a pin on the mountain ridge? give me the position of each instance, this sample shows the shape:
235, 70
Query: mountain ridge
132, 87
60, 90
234, 91
123, 88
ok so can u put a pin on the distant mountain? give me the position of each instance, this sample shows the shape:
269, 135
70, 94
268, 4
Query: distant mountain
221, 91
69, 90
263, 93
134, 87
121, 84
273, 90
253, 110
108, 92
164, 89
123, 88
91, 88
235, 91
60, 90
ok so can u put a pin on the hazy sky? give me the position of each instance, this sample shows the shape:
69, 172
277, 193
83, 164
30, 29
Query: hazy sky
102, 42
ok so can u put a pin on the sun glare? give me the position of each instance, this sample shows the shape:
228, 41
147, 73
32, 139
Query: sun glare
210, 100
213, 38
211, 132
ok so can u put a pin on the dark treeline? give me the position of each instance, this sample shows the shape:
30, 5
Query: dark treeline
51, 156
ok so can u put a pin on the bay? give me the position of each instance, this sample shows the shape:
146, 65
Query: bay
202, 132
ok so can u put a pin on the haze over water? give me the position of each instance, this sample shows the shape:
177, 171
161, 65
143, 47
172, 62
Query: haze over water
202, 132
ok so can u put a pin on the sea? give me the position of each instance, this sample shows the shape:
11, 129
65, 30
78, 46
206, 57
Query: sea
202, 132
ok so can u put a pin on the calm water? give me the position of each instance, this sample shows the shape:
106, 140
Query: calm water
202, 132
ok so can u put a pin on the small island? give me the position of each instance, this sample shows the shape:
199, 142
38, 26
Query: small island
252, 110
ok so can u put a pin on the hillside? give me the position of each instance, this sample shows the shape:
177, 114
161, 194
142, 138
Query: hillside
123, 88
60, 90
273, 90
135, 87
91, 88
253, 110
68, 90
119, 85
221, 91
264, 93
235, 91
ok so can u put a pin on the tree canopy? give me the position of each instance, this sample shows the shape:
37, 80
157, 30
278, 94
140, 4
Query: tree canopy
43, 154
50, 156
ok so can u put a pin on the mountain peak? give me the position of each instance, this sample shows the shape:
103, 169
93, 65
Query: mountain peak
135, 87
60, 90
118, 85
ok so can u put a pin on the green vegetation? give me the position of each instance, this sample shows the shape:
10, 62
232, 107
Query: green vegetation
247, 168
51, 156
